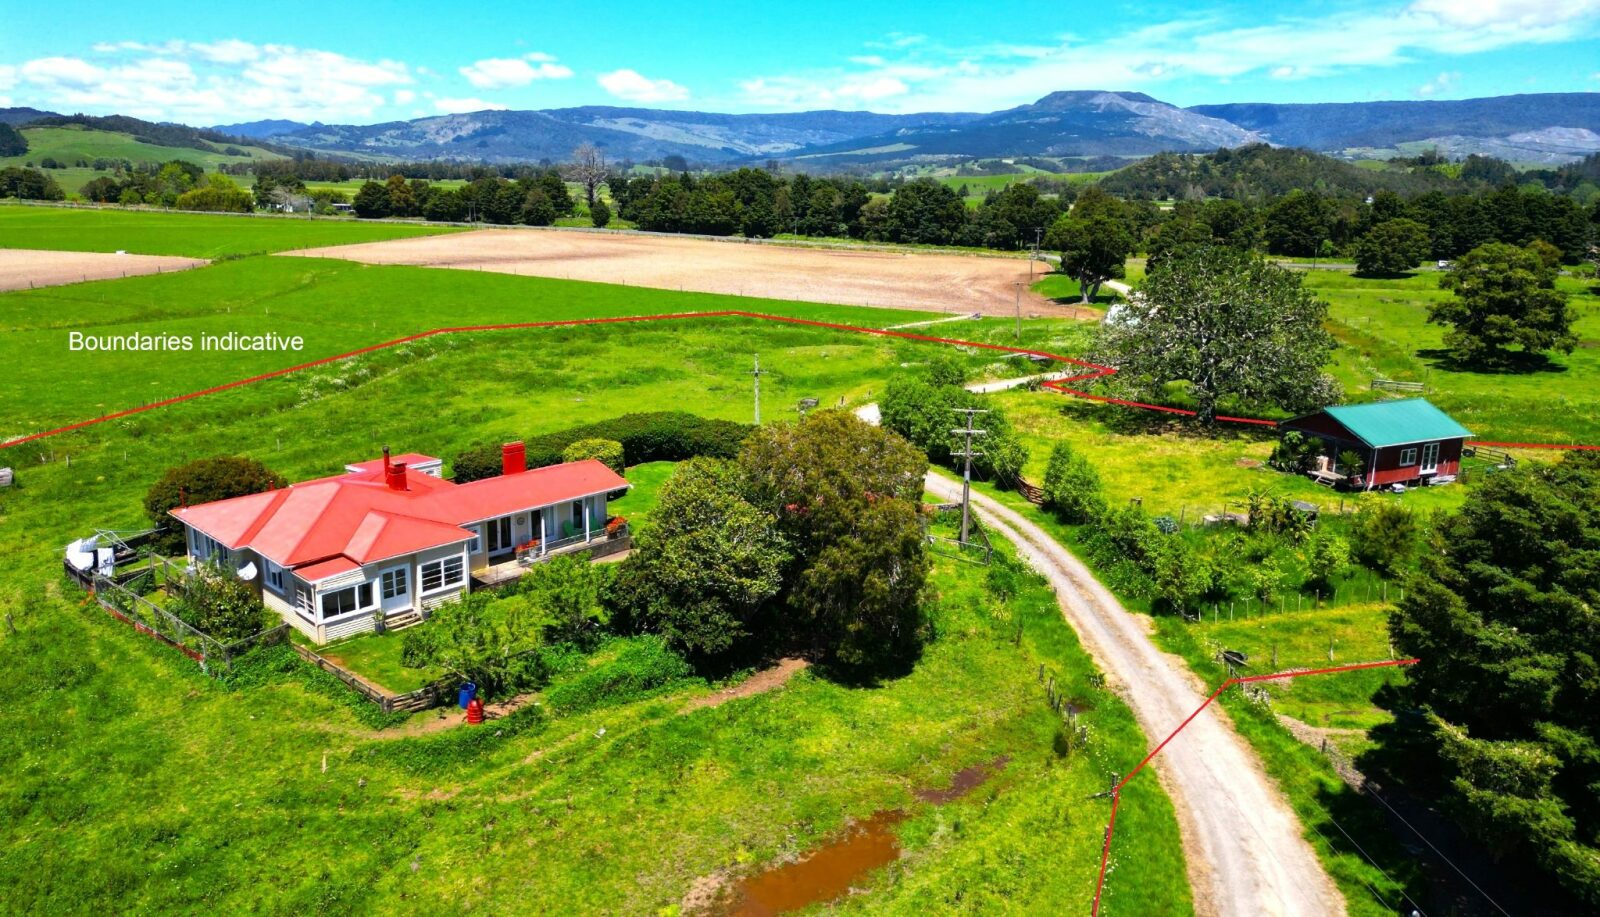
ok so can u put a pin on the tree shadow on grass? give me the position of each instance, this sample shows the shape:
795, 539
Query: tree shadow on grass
1511, 363
1124, 420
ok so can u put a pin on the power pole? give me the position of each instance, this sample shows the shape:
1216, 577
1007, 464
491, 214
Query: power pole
966, 454
756, 373
1038, 235
1018, 285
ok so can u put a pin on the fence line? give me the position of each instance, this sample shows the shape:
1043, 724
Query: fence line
114, 596
421, 699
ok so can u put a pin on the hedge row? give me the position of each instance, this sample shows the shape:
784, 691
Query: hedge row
656, 436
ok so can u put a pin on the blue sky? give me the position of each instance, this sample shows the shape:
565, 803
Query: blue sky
364, 62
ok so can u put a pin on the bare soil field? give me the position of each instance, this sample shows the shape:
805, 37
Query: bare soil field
26, 268
933, 282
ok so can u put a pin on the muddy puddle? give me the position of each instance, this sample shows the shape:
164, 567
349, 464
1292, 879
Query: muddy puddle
830, 870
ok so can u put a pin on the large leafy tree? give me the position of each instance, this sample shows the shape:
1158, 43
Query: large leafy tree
923, 411
1503, 618
1505, 298
1228, 324
1393, 247
1297, 224
372, 201
709, 561
923, 211
205, 480
12, 143
847, 498
1095, 239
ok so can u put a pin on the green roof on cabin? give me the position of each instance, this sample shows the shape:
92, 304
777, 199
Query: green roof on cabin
1394, 423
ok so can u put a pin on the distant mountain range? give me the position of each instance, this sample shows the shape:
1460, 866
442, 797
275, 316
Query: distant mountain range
1544, 128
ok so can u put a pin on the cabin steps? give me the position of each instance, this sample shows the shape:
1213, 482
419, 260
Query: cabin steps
402, 620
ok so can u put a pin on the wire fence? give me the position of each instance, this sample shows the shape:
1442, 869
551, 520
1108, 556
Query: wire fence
119, 596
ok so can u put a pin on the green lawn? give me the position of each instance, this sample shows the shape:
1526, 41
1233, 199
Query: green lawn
376, 657
637, 505
191, 234
235, 796
566, 375
1382, 325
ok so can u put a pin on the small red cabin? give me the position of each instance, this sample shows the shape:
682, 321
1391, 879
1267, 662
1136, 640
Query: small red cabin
1400, 442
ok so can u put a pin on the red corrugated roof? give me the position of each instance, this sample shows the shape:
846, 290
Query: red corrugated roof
412, 459
357, 516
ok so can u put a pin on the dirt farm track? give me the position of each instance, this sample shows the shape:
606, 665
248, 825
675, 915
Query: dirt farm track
933, 282
23, 268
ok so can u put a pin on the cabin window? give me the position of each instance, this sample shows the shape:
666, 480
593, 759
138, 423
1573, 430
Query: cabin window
442, 574
394, 583
346, 601
1408, 457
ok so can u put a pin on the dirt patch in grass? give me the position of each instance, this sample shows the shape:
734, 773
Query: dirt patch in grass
933, 282
26, 268
768, 679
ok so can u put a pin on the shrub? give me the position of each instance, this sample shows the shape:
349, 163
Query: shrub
923, 411
1182, 574
600, 214
217, 602
658, 436
1071, 486
645, 666
205, 480
1386, 538
1327, 558
607, 451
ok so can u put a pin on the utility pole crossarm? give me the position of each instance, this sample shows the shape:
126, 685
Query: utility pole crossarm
967, 454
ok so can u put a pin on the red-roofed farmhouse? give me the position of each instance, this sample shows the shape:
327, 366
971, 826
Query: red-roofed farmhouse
387, 541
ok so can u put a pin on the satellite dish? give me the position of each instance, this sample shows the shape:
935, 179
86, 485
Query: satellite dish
247, 572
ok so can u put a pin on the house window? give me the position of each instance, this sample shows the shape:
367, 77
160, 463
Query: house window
442, 574
302, 599
394, 583
1408, 457
274, 576
346, 601
577, 514
475, 546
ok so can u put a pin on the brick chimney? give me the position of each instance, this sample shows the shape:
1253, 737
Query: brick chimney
395, 475
513, 458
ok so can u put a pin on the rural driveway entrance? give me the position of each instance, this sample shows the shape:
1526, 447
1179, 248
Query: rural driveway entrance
1243, 845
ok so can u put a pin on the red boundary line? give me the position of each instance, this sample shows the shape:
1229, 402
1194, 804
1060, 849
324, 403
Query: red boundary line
1096, 371
1116, 791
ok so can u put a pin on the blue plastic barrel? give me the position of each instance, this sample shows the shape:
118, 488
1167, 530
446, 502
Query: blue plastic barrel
467, 693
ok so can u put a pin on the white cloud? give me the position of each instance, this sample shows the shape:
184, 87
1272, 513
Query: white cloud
206, 82
8, 76
504, 72
1475, 14
229, 51
404, 97
459, 106
633, 86
984, 77
1439, 83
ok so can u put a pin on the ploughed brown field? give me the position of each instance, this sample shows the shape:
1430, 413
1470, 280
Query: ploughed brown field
933, 282
26, 268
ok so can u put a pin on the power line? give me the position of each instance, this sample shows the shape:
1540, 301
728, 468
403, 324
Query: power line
1436, 850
